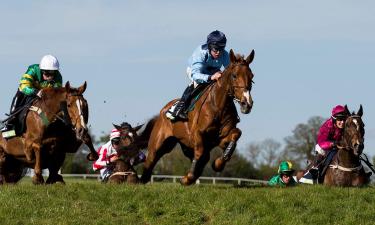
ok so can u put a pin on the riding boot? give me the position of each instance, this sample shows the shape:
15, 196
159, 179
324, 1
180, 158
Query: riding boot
316, 166
8, 127
178, 110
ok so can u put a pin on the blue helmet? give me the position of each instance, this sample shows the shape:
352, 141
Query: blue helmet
216, 39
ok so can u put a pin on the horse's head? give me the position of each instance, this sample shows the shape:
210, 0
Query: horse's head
128, 137
77, 108
240, 79
354, 131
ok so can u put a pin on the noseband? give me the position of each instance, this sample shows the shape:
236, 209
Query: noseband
234, 87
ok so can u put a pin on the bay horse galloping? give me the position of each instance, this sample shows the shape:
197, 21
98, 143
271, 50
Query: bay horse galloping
64, 104
346, 168
211, 123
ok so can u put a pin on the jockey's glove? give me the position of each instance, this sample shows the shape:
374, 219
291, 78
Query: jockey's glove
39, 94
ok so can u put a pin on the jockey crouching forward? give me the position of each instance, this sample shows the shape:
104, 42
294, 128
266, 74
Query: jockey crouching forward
109, 153
204, 67
37, 76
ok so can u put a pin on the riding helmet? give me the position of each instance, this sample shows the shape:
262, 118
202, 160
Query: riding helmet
216, 39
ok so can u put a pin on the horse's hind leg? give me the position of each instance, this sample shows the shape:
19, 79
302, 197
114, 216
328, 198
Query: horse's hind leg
229, 145
54, 166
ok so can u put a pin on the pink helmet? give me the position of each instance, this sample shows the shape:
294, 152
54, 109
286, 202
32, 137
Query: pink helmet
338, 110
114, 134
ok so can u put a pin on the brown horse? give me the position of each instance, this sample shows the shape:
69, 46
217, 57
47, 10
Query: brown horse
56, 104
132, 140
211, 123
123, 172
346, 168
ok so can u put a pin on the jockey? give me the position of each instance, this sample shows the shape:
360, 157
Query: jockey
107, 154
110, 152
329, 135
284, 177
204, 67
37, 76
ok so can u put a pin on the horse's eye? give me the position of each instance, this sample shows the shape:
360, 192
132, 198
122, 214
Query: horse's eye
234, 76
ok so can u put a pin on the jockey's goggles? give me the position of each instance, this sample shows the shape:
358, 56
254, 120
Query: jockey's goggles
115, 141
216, 48
339, 117
49, 73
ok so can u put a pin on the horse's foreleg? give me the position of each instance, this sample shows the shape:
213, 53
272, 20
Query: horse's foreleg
37, 178
196, 164
156, 149
229, 145
93, 155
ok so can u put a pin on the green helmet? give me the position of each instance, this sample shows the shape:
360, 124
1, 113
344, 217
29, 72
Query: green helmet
285, 167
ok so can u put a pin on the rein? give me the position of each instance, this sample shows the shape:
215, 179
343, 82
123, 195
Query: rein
43, 115
122, 174
346, 169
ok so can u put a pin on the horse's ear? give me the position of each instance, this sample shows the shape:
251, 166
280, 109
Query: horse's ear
138, 127
347, 110
232, 57
82, 88
116, 126
250, 58
67, 86
360, 111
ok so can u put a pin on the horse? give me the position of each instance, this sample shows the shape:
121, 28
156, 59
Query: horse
37, 144
132, 140
346, 169
211, 123
123, 172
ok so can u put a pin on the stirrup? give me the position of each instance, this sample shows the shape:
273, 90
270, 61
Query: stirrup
169, 115
8, 134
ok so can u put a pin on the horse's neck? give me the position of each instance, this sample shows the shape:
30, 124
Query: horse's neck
219, 94
347, 159
49, 106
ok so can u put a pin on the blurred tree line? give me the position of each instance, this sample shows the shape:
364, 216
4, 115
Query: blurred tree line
259, 160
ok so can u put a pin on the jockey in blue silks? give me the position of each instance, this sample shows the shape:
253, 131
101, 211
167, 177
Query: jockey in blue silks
204, 67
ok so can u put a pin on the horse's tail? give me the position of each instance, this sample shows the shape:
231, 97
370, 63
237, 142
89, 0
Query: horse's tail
144, 132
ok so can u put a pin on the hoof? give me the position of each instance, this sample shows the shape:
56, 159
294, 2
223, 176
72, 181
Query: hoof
38, 180
218, 165
186, 181
92, 157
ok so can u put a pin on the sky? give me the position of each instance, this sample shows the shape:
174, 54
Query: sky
309, 56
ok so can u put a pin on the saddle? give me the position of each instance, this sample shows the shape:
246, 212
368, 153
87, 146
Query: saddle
18, 117
196, 94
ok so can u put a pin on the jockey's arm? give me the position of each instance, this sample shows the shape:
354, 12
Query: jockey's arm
27, 84
197, 75
323, 139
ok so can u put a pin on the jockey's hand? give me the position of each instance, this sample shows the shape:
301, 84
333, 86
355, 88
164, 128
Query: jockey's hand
114, 158
39, 94
216, 76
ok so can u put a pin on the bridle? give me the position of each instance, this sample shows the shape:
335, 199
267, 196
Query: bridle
234, 87
336, 165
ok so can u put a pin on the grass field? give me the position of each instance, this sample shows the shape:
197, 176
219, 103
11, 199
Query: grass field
89, 202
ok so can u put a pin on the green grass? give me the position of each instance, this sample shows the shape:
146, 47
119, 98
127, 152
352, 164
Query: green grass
89, 202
